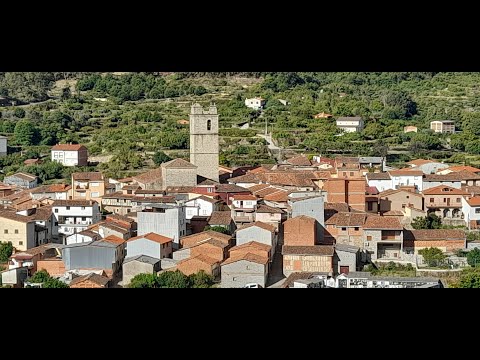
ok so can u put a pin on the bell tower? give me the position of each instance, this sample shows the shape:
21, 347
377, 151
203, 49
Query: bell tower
204, 140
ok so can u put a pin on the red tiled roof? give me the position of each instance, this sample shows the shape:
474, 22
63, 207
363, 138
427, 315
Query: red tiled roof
178, 164
91, 176
322, 250
201, 257
188, 241
279, 196
393, 213
347, 219
462, 168
114, 240
378, 176
259, 224
258, 187
301, 160
382, 222
474, 201
252, 244
220, 218
152, 237
244, 197
444, 190
434, 234
97, 279
256, 258
149, 177
453, 176
69, 147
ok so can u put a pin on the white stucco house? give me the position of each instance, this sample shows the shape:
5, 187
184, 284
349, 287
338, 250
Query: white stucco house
74, 216
70, 154
382, 181
471, 211
256, 103
201, 206
350, 123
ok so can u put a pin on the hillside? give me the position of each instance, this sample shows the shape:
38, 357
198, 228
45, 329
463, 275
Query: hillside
125, 118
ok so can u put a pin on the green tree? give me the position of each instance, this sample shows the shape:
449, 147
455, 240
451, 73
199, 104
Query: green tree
48, 282
219, 229
160, 157
66, 93
201, 280
469, 279
473, 257
25, 133
145, 281
433, 256
420, 223
173, 279
19, 113
6, 250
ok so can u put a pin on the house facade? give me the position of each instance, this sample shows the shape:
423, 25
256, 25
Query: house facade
151, 244
445, 202
406, 178
471, 212
88, 186
318, 258
255, 103
383, 238
398, 200
140, 264
73, 216
443, 126
259, 232
70, 154
18, 229
163, 219
350, 124
201, 206
22, 180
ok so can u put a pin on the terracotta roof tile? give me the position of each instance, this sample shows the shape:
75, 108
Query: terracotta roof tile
86, 203
301, 160
474, 201
12, 216
247, 178
378, 176
24, 176
303, 218
178, 164
267, 191
393, 213
244, 197
43, 213
230, 188
114, 240
347, 219
279, 196
149, 177
188, 241
382, 222
152, 237
462, 168
454, 176
201, 257
258, 187
256, 258
252, 244
220, 218
69, 147
338, 207
444, 190
434, 234
322, 250
259, 224
90, 176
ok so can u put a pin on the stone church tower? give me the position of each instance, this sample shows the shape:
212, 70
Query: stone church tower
204, 140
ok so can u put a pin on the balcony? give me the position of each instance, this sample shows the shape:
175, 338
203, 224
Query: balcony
391, 239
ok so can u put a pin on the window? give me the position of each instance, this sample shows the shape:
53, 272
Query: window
459, 200
16, 231
477, 211
83, 194
56, 210
404, 206
210, 190
84, 219
5, 231
209, 125
68, 207
20, 243
344, 229
56, 223
370, 206
369, 238
351, 173
432, 199
357, 228
94, 184
444, 199
234, 278
408, 197
344, 173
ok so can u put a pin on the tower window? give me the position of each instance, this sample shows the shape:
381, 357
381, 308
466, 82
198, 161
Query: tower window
209, 125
